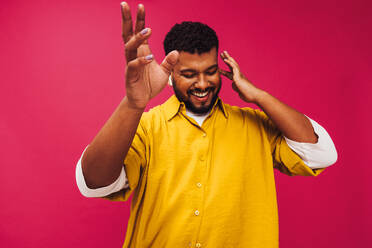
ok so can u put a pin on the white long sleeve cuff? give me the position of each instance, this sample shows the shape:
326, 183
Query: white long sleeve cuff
319, 155
120, 183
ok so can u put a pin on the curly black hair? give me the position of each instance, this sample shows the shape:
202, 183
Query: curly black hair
190, 37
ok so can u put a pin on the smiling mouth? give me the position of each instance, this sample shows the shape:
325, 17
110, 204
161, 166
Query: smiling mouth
200, 94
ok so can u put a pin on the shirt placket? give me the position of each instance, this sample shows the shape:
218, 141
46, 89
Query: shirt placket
200, 178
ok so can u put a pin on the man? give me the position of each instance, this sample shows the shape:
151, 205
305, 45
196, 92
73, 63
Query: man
201, 171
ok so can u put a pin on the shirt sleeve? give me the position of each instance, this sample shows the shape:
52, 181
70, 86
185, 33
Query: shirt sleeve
319, 155
135, 164
120, 183
284, 158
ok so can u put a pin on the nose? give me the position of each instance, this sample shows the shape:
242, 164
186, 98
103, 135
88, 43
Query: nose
202, 82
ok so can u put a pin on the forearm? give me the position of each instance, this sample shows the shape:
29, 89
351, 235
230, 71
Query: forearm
290, 122
293, 124
103, 160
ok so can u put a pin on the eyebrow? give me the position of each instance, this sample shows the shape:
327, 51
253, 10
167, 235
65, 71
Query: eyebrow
192, 70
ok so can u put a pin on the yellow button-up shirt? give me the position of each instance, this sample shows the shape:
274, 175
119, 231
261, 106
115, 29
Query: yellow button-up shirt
205, 186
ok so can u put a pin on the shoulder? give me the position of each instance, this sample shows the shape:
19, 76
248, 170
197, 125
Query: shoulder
244, 112
249, 117
154, 118
148, 117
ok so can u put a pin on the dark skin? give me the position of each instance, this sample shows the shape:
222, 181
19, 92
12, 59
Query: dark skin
196, 71
293, 124
145, 78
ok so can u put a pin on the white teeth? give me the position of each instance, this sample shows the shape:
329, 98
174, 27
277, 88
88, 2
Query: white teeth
200, 94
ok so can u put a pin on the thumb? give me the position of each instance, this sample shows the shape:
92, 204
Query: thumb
227, 74
235, 88
170, 61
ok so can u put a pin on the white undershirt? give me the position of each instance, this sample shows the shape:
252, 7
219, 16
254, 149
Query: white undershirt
319, 155
199, 118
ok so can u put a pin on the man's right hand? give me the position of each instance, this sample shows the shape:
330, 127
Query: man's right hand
145, 78
102, 161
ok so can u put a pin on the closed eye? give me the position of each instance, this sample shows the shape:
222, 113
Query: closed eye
212, 72
188, 75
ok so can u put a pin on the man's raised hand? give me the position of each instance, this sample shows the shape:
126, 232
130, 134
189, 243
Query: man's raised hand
246, 90
145, 78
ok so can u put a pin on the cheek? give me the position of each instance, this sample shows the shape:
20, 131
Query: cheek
184, 85
215, 79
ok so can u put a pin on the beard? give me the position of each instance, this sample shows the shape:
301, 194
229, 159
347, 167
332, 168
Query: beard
190, 105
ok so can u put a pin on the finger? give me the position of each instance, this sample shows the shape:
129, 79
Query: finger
227, 74
127, 26
223, 57
144, 49
170, 61
135, 42
234, 68
227, 55
135, 65
140, 20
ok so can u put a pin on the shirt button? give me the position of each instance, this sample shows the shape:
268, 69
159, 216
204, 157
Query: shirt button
196, 212
198, 245
202, 158
204, 135
199, 185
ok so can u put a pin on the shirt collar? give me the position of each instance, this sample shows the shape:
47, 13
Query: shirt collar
172, 106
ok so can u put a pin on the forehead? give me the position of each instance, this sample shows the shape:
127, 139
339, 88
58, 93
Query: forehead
197, 61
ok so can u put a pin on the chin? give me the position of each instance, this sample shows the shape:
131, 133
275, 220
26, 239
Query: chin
201, 109
198, 110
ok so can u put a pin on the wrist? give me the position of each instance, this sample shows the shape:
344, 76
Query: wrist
132, 106
260, 97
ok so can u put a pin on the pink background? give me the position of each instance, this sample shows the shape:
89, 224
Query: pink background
62, 76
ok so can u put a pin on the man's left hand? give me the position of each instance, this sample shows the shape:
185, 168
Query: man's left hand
246, 90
